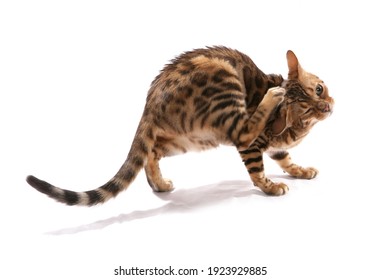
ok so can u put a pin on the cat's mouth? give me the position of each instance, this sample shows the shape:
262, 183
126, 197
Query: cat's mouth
319, 111
308, 111
324, 109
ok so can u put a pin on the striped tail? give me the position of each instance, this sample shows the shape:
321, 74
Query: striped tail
134, 163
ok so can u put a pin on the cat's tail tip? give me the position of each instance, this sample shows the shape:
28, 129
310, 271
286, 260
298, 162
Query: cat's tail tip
88, 198
38, 184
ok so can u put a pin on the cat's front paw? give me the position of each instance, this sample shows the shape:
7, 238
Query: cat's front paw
276, 95
276, 189
309, 173
303, 173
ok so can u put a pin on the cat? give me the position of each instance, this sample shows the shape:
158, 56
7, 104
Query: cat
212, 96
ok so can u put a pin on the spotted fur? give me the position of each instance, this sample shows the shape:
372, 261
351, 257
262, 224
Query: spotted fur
212, 96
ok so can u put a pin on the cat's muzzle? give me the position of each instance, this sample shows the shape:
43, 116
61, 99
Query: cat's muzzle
325, 107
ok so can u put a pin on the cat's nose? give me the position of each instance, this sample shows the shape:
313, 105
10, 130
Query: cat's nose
325, 107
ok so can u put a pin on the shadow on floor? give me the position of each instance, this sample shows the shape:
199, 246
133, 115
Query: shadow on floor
177, 201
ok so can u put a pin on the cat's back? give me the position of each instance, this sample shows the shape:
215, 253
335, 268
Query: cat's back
200, 71
205, 73
216, 54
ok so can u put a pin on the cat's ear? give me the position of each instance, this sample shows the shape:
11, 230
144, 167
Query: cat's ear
293, 65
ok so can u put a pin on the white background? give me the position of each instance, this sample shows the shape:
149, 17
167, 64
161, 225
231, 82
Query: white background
73, 82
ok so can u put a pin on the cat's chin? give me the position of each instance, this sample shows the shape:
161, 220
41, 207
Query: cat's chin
325, 110
323, 115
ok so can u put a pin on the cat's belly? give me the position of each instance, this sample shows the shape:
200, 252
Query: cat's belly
191, 142
200, 142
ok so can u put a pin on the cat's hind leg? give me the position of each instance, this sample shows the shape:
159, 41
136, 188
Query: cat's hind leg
166, 144
254, 125
153, 174
284, 160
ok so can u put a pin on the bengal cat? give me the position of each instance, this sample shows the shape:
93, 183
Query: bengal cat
213, 96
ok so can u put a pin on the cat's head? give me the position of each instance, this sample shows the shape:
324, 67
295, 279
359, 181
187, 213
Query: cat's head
307, 99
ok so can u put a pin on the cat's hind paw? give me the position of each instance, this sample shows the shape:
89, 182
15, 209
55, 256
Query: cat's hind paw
276, 95
165, 186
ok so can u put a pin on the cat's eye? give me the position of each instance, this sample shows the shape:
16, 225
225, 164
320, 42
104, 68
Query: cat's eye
319, 90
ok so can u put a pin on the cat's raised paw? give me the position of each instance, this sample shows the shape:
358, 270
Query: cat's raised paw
276, 94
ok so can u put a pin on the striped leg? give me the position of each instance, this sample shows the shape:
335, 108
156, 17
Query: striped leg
253, 160
253, 126
285, 162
